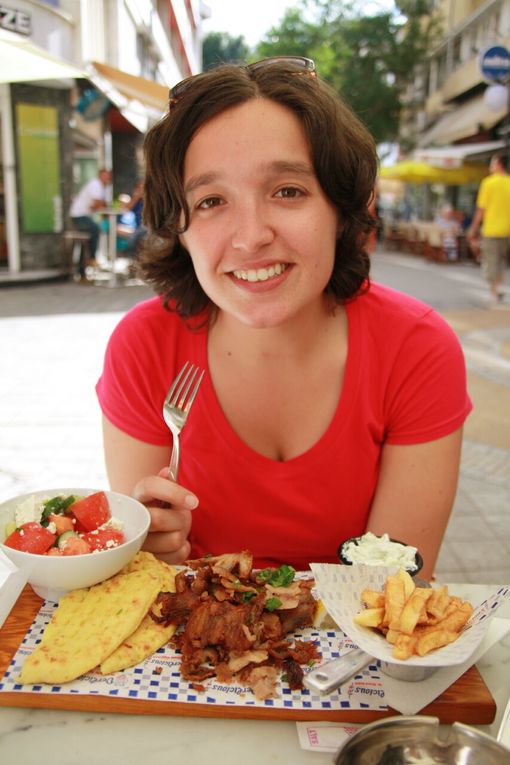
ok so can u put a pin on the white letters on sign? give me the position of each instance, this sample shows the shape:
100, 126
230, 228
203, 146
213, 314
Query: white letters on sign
15, 21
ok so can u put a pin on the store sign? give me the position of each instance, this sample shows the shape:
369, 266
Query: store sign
39, 167
495, 63
15, 21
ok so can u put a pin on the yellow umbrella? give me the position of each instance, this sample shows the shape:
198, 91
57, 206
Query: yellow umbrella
467, 173
412, 171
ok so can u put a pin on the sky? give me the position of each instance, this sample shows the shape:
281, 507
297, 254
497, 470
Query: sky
252, 19
249, 19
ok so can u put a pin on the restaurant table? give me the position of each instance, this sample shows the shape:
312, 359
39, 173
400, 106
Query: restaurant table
79, 738
111, 214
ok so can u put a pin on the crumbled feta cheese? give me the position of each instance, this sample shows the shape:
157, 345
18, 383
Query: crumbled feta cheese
51, 527
380, 551
27, 511
113, 523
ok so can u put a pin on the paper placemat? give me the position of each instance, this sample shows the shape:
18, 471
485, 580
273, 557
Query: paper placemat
158, 678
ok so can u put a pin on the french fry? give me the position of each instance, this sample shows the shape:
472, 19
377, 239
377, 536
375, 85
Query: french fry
394, 601
412, 609
409, 584
415, 620
438, 602
435, 639
392, 635
404, 647
372, 598
369, 617
455, 620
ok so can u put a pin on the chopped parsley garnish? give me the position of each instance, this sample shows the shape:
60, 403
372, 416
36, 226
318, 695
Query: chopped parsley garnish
277, 577
272, 604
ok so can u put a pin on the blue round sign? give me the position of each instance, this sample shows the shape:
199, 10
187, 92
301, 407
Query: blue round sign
495, 63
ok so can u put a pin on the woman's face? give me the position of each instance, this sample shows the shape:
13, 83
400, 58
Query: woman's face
262, 232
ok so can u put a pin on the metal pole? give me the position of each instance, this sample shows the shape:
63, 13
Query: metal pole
10, 185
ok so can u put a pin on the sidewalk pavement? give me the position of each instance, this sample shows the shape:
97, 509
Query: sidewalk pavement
52, 340
476, 547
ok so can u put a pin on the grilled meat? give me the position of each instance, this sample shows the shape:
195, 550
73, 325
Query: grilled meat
234, 622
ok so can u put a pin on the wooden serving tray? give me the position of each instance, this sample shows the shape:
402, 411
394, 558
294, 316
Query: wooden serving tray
468, 700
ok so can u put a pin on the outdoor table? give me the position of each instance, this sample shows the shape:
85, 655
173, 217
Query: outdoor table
111, 214
78, 736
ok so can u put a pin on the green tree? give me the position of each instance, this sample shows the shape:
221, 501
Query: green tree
220, 47
369, 59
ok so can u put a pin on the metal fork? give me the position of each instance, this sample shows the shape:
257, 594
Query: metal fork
177, 405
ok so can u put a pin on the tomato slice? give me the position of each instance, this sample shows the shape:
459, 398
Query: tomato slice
31, 538
91, 512
104, 539
62, 523
76, 546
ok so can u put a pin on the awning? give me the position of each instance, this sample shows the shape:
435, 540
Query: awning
142, 102
463, 121
22, 61
454, 156
412, 171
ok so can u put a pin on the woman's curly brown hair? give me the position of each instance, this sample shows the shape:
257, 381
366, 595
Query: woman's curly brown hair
343, 154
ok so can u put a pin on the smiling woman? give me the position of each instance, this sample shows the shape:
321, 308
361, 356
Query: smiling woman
331, 406
258, 214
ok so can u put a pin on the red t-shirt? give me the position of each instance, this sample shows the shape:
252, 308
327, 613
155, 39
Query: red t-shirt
404, 383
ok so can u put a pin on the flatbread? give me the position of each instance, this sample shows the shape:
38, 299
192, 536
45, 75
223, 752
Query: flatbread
150, 635
88, 625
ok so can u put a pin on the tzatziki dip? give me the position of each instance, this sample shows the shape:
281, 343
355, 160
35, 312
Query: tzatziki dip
379, 551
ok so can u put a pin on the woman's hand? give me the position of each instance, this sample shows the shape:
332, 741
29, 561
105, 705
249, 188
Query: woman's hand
170, 507
132, 468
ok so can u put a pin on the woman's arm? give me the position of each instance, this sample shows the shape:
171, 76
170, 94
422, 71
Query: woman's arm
140, 470
415, 494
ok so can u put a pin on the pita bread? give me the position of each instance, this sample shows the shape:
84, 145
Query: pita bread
150, 635
88, 625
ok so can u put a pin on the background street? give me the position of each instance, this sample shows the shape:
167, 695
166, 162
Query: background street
52, 340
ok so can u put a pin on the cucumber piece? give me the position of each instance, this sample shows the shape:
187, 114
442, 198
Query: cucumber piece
64, 537
10, 527
57, 505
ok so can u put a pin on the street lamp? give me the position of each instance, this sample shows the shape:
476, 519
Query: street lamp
496, 97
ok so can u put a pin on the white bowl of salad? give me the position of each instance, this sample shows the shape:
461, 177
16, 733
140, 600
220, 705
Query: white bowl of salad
66, 539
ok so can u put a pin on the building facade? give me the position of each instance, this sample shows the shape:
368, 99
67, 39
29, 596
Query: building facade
446, 104
447, 117
88, 78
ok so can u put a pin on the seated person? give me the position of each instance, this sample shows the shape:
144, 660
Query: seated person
331, 405
135, 230
450, 230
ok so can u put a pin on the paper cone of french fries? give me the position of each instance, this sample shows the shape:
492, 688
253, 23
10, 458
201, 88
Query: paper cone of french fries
341, 587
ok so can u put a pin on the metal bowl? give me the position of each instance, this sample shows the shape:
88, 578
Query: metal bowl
418, 560
409, 674
419, 741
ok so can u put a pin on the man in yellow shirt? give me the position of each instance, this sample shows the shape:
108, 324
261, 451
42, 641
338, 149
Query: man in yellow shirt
493, 207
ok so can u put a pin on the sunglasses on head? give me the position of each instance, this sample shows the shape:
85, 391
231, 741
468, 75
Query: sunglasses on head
296, 65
